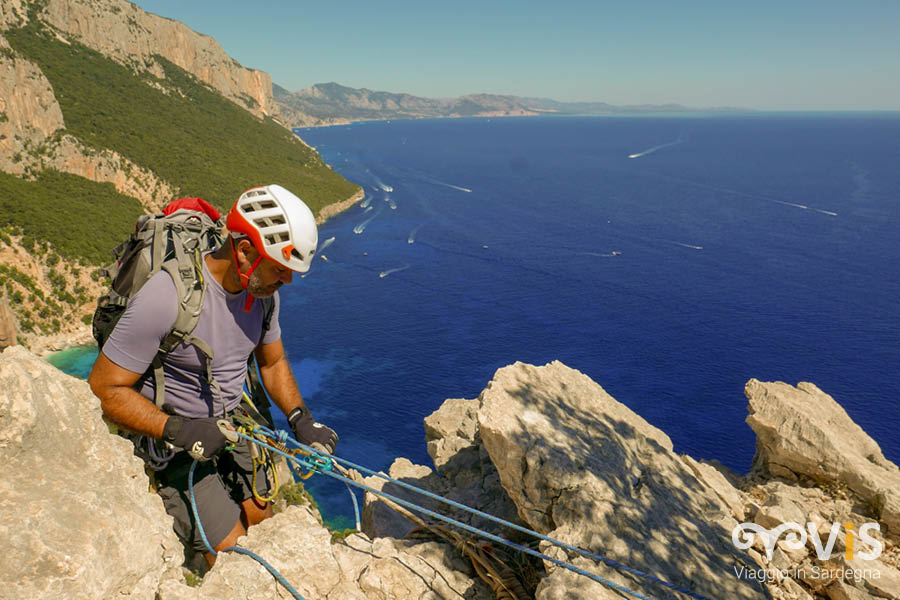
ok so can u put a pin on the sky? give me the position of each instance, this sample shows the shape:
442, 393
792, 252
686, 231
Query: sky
766, 55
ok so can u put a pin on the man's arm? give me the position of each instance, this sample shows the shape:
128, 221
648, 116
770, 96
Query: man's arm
120, 402
278, 377
279, 381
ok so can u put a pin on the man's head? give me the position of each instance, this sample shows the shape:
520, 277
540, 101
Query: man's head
276, 232
263, 280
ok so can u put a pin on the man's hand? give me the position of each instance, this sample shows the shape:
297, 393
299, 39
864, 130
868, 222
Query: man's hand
311, 433
202, 438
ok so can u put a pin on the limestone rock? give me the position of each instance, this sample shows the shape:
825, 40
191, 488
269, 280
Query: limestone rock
723, 488
78, 520
30, 112
122, 30
12, 13
450, 433
355, 569
378, 519
471, 478
583, 468
842, 591
877, 578
803, 431
7, 325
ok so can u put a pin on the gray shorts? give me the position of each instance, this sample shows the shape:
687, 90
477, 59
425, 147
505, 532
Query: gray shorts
220, 486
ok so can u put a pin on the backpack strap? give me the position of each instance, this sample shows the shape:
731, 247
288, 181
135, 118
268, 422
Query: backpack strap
187, 275
257, 398
268, 305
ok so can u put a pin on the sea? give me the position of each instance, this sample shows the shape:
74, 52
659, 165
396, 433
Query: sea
671, 258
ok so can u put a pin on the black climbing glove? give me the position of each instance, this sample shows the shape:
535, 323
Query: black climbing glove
309, 432
202, 438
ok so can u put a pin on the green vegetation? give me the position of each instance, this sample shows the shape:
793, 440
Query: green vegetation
293, 494
339, 534
46, 310
178, 127
83, 220
193, 579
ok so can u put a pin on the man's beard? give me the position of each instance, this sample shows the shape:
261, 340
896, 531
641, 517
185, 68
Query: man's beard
258, 290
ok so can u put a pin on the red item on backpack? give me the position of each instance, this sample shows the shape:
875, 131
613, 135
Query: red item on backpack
198, 204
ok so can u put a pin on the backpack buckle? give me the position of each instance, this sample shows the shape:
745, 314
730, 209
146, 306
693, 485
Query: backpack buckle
186, 272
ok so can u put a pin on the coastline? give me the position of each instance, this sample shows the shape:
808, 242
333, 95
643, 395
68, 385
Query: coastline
330, 210
45, 345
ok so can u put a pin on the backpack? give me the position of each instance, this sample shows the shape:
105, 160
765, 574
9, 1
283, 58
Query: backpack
173, 241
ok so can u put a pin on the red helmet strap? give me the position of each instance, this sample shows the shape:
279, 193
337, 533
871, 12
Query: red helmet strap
245, 277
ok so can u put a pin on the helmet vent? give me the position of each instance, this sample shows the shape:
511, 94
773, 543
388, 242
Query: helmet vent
264, 222
297, 254
255, 206
277, 238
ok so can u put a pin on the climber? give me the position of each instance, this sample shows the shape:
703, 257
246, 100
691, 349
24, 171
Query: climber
272, 234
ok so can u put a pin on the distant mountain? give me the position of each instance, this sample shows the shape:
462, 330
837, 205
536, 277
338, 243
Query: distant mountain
329, 103
332, 103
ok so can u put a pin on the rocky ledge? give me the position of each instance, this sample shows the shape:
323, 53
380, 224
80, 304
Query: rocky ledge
545, 447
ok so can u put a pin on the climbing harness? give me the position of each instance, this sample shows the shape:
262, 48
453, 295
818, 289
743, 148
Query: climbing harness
310, 461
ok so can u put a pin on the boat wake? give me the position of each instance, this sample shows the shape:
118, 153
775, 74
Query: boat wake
412, 235
382, 185
455, 187
680, 140
362, 226
805, 207
326, 243
602, 254
384, 274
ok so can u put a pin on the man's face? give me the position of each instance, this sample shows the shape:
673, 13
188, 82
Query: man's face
267, 278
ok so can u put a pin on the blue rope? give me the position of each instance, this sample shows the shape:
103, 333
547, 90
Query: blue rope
608, 561
278, 577
296, 476
314, 461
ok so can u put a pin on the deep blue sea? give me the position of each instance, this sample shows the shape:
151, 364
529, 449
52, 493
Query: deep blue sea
669, 258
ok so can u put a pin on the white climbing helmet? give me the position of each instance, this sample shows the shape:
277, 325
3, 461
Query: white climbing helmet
279, 224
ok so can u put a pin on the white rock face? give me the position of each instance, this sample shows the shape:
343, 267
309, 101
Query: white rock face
802, 431
77, 521
583, 468
122, 30
30, 112
355, 569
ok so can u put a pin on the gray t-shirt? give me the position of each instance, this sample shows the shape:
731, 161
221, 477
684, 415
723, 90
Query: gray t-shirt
231, 333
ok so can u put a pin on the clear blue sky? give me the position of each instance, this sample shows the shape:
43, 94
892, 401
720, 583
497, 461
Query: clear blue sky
790, 54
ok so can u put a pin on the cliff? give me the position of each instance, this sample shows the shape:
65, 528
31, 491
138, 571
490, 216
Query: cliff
544, 447
123, 31
108, 110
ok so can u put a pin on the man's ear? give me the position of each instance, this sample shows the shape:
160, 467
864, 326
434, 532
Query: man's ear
246, 251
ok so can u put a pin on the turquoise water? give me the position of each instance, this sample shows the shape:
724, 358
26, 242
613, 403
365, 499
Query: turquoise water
75, 361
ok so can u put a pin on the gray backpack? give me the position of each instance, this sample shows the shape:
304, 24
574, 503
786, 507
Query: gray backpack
173, 241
